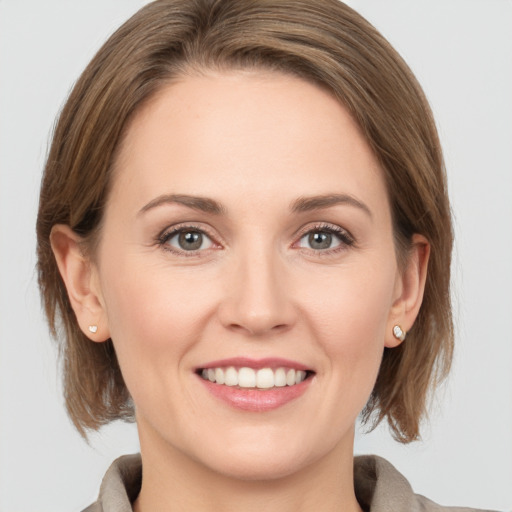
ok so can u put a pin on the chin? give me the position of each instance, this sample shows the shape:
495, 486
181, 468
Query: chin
268, 457
260, 468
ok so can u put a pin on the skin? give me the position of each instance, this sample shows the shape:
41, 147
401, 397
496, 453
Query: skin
255, 143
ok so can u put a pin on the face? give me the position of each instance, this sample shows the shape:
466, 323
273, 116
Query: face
247, 273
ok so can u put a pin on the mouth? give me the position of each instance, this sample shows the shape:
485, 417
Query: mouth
255, 385
246, 377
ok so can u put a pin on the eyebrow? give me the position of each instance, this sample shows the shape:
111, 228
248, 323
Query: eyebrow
203, 204
300, 205
307, 204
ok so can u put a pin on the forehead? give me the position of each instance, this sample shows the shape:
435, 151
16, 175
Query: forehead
245, 132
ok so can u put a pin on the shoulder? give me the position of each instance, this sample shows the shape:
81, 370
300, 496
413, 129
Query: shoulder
120, 485
95, 507
380, 487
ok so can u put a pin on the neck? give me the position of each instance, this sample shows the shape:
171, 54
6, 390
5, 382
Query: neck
173, 480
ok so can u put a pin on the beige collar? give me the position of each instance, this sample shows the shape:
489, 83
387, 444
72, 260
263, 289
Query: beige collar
379, 488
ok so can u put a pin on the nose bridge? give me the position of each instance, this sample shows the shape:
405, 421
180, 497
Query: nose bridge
257, 300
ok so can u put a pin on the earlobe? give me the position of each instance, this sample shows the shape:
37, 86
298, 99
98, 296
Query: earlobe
82, 287
410, 286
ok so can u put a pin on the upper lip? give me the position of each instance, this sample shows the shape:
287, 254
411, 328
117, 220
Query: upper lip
267, 362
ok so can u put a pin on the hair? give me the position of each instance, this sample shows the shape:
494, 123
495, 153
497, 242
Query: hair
324, 42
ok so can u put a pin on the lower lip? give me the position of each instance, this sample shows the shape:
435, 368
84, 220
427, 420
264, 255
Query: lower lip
256, 400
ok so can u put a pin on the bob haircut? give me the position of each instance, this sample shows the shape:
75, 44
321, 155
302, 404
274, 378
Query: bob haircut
324, 42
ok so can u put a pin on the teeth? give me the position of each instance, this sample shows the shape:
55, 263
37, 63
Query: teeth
231, 377
280, 378
299, 376
246, 378
219, 375
265, 378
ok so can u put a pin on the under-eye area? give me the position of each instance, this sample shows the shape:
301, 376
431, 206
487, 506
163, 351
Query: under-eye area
263, 378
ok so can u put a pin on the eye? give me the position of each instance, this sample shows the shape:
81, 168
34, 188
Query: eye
319, 240
325, 238
187, 239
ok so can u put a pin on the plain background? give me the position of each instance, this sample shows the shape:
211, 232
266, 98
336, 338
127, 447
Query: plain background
461, 51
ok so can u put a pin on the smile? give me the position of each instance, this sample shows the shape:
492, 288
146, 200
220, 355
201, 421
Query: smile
255, 385
249, 378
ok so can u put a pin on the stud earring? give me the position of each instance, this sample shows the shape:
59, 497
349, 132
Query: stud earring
399, 333
93, 328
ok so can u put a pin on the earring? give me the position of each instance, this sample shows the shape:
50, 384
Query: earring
399, 333
93, 328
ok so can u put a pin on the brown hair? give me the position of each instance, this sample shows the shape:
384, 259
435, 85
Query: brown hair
323, 41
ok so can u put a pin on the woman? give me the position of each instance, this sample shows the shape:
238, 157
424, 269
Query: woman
245, 229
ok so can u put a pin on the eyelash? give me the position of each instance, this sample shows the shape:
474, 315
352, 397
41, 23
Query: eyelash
345, 238
167, 235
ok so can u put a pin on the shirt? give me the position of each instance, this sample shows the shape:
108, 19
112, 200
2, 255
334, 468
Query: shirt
379, 487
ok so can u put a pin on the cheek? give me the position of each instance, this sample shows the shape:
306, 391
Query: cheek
352, 322
354, 305
155, 315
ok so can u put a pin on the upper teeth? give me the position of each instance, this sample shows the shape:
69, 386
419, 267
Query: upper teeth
244, 377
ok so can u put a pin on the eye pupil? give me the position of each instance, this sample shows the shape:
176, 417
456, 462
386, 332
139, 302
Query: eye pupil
190, 240
320, 240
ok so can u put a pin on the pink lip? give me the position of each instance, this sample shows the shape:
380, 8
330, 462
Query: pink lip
268, 362
255, 400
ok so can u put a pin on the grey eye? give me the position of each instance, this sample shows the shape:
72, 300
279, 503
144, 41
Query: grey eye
190, 240
319, 240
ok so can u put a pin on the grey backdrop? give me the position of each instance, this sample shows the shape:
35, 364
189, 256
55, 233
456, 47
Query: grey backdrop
461, 50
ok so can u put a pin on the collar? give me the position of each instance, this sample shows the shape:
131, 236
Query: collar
379, 487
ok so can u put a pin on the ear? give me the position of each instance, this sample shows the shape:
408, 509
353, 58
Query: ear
81, 281
409, 289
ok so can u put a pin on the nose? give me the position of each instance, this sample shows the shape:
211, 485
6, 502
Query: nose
258, 299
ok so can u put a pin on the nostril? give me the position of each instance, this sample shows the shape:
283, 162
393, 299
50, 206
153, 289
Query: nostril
259, 328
